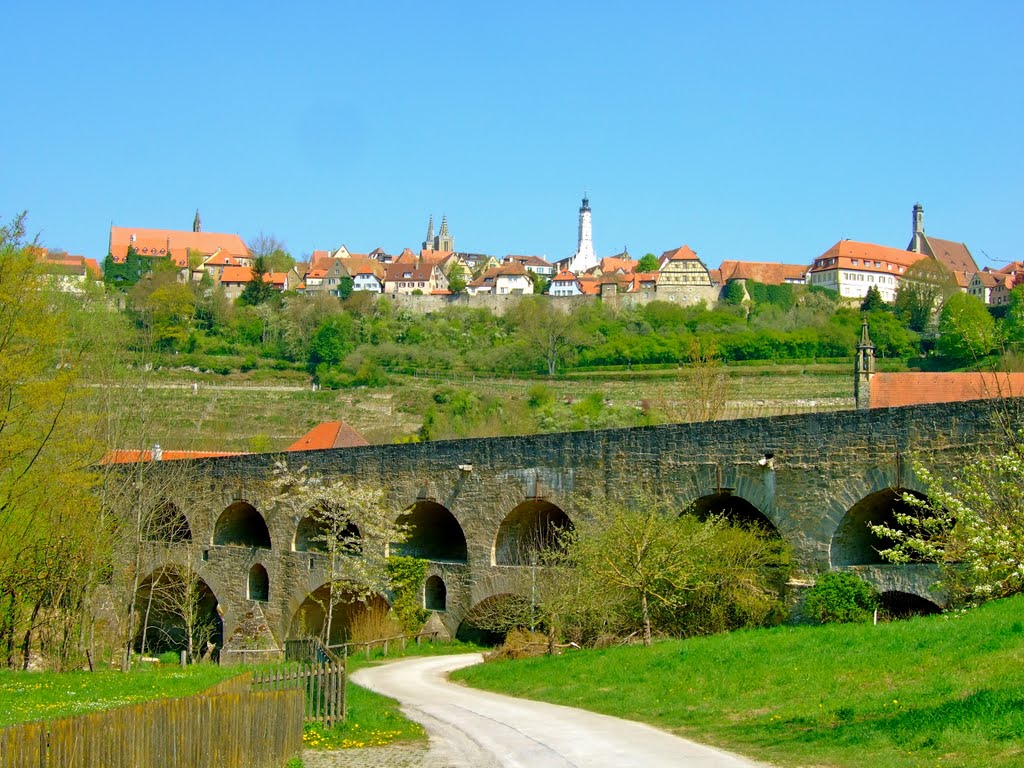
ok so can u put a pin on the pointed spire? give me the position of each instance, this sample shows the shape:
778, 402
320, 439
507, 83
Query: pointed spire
444, 226
197, 224
430, 229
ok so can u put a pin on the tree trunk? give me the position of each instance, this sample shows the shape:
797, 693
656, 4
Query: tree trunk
645, 611
26, 648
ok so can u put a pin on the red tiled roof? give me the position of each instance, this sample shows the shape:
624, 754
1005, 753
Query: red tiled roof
153, 243
329, 434
866, 254
769, 273
954, 256
221, 260
127, 456
244, 275
396, 271
682, 253
612, 263
589, 284
890, 390
565, 274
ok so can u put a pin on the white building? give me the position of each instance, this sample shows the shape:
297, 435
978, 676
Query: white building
851, 268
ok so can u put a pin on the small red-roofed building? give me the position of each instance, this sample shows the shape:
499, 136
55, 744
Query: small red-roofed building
329, 434
564, 284
535, 264
156, 453
234, 279
367, 274
610, 264
504, 280
69, 272
407, 275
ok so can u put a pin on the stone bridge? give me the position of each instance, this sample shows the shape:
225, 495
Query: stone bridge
476, 506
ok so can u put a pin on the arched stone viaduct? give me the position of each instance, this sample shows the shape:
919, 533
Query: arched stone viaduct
817, 479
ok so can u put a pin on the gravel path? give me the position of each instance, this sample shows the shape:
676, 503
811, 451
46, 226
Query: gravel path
477, 729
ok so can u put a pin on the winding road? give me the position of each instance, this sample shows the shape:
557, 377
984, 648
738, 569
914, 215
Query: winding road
469, 728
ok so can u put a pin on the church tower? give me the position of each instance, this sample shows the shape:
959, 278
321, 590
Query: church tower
584, 258
444, 241
915, 242
197, 224
428, 244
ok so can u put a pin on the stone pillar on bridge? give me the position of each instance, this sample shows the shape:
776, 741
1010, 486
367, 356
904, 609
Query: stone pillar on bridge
863, 369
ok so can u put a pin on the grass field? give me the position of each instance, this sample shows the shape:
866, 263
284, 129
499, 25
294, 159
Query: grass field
936, 691
27, 696
273, 409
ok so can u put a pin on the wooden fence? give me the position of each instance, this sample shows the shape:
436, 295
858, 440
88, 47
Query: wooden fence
227, 730
384, 643
322, 685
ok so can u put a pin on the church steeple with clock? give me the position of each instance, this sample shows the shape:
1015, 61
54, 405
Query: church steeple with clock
584, 258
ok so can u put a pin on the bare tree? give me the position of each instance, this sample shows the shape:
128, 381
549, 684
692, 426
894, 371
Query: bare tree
705, 384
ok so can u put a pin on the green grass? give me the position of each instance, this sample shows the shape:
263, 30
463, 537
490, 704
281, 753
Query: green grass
27, 696
935, 691
375, 720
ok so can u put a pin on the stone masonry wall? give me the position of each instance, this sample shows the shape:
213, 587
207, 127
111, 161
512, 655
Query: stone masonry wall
802, 472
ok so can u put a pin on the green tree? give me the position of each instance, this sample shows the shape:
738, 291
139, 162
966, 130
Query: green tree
734, 293
52, 537
922, 291
967, 331
258, 289
648, 263
540, 282
127, 273
546, 330
840, 598
331, 341
456, 277
273, 251
1013, 322
873, 300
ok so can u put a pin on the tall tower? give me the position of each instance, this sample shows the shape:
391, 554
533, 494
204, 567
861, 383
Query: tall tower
197, 224
444, 241
428, 244
584, 258
915, 242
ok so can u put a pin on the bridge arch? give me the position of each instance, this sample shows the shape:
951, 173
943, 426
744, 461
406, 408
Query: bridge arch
168, 524
433, 534
904, 605
853, 542
734, 509
313, 534
435, 594
533, 526
310, 618
174, 602
241, 525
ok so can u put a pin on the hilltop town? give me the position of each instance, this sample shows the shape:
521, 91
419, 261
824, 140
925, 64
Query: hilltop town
453, 277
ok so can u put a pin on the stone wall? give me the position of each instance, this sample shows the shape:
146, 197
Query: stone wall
803, 473
499, 305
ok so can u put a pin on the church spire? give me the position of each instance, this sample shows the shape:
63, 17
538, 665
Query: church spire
428, 244
444, 226
445, 242
197, 224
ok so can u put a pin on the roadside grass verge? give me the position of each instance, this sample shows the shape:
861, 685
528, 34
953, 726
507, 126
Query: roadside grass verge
375, 720
937, 691
28, 696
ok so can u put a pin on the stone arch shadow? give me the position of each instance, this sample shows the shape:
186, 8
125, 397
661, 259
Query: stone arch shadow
434, 533
530, 527
161, 602
241, 524
308, 618
858, 503
743, 494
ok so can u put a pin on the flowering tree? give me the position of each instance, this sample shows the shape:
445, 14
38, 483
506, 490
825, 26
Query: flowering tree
972, 525
352, 525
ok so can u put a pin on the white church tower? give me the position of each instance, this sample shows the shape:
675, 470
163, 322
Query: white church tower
584, 258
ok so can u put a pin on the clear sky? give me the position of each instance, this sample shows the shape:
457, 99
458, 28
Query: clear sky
748, 130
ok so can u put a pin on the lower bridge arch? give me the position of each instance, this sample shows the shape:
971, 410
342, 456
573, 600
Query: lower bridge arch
352, 617
854, 543
904, 605
178, 611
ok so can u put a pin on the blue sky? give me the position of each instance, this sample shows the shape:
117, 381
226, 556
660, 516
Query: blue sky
748, 130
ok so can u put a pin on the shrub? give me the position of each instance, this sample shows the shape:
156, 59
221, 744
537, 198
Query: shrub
840, 598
